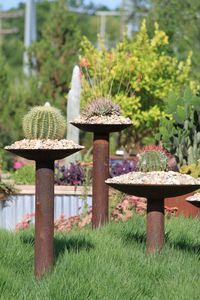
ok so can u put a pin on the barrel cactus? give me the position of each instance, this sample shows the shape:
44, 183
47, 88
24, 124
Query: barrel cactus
152, 160
44, 122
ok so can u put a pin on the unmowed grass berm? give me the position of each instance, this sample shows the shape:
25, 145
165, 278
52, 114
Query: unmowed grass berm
108, 263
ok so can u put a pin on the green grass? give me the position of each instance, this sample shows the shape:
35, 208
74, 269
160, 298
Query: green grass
109, 263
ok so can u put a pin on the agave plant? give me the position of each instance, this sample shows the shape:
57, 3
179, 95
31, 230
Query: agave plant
101, 107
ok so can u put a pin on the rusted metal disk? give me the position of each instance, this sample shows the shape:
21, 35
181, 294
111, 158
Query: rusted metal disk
44, 154
194, 202
101, 128
155, 195
155, 191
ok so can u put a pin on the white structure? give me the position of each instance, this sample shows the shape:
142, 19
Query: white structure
29, 33
73, 111
68, 201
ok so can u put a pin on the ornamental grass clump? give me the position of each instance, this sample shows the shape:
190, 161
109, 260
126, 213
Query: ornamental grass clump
44, 122
101, 107
152, 160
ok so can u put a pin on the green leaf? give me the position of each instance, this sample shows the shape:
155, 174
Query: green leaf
180, 115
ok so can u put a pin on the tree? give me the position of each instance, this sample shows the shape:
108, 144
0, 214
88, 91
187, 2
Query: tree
137, 74
181, 22
4, 84
56, 53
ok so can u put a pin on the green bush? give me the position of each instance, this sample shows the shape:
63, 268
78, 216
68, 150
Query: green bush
180, 131
138, 75
24, 175
193, 169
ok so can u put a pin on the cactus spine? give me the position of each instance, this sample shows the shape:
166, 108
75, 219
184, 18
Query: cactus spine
44, 122
152, 160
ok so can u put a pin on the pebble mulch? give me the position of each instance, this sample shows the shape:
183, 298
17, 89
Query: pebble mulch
44, 144
155, 178
104, 120
195, 197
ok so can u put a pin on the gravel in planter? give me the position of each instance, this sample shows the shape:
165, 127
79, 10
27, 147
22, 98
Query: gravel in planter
106, 120
195, 197
44, 144
154, 178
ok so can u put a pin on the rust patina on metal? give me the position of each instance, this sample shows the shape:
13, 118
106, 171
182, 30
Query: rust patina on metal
155, 194
100, 168
100, 173
44, 203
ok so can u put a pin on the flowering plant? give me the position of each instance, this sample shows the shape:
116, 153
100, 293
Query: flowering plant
74, 174
122, 167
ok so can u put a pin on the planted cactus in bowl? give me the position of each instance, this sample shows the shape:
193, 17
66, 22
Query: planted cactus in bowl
101, 117
101, 111
152, 160
101, 107
44, 128
44, 122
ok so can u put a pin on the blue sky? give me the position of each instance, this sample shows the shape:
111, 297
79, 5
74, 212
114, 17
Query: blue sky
6, 4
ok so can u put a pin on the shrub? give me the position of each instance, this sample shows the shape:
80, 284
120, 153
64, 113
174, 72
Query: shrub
81, 174
180, 131
7, 189
74, 174
193, 169
122, 167
138, 75
24, 175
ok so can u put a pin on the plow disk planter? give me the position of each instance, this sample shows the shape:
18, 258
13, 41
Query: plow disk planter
44, 202
155, 195
100, 168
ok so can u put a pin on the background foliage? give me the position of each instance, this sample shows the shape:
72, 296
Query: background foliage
180, 133
138, 74
181, 22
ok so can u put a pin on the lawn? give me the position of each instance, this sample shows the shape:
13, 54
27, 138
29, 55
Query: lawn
105, 264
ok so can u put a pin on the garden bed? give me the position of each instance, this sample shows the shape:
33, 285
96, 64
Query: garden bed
69, 201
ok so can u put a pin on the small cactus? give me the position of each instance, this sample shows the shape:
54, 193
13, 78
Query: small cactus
101, 107
44, 122
152, 160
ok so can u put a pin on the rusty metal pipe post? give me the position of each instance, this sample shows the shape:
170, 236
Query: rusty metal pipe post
100, 174
44, 217
155, 225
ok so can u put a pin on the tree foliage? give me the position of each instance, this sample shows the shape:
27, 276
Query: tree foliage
138, 75
4, 84
56, 52
181, 22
